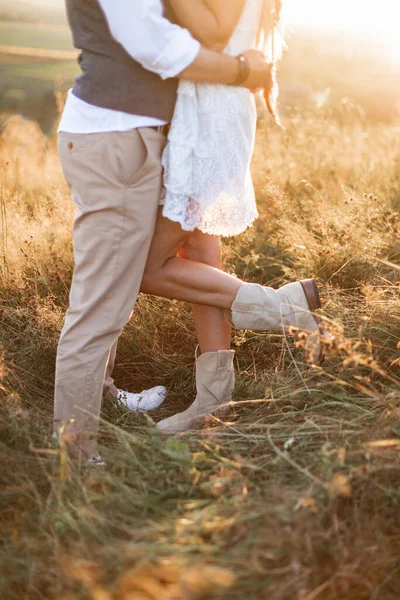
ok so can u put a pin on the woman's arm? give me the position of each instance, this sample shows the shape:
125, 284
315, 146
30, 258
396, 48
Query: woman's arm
212, 22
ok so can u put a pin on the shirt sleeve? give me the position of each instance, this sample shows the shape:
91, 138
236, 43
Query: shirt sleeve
151, 39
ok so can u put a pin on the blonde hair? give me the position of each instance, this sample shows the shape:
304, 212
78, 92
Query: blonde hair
271, 38
272, 42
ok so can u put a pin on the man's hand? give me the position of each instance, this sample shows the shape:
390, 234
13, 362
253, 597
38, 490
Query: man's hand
260, 71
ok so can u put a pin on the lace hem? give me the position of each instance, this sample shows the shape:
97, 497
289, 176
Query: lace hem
210, 225
207, 178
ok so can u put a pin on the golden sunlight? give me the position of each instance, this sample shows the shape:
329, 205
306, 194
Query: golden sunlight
378, 20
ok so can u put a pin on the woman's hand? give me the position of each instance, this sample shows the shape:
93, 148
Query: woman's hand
260, 71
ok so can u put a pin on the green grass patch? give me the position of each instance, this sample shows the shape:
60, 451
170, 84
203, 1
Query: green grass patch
46, 72
35, 35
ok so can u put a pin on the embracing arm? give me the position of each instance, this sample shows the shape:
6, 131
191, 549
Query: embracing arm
169, 50
212, 22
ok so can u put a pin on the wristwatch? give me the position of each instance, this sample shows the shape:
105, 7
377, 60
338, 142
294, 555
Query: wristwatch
244, 71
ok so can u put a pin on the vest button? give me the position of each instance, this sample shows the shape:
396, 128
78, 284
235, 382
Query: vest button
70, 145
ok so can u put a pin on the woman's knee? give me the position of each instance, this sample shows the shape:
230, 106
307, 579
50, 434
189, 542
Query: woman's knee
156, 277
167, 240
203, 248
150, 276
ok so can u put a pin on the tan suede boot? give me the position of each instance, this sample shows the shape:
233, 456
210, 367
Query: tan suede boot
290, 308
215, 382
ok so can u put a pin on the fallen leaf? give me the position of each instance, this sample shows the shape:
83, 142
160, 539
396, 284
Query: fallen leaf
98, 593
340, 486
306, 502
207, 579
342, 455
143, 580
383, 444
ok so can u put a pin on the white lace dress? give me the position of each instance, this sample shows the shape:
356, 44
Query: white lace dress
207, 180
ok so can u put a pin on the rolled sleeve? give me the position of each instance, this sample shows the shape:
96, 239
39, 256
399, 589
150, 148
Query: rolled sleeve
181, 51
148, 37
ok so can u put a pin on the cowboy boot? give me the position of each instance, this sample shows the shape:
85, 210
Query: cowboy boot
290, 308
215, 382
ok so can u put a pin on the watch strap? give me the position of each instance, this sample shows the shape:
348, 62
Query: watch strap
244, 71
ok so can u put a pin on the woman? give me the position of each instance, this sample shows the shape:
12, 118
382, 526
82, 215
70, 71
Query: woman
209, 193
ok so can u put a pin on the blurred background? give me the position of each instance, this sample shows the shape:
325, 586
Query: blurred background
342, 54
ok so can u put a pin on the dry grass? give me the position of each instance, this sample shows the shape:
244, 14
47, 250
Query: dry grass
296, 497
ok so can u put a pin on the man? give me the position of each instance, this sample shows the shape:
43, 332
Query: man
110, 144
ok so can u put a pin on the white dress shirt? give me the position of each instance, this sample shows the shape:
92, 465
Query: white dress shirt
154, 42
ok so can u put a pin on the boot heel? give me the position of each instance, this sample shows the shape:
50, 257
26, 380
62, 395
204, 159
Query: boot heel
312, 294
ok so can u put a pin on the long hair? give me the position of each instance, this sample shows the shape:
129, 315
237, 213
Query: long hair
272, 42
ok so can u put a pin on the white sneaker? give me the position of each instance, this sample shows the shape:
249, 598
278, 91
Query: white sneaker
145, 401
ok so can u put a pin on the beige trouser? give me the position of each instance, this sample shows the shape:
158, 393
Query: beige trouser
115, 179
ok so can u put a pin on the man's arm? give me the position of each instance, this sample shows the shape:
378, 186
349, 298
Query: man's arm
170, 51
212, 67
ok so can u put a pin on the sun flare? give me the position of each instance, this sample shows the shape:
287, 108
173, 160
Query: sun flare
378, 21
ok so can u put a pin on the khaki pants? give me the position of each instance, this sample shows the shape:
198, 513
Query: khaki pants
116, 180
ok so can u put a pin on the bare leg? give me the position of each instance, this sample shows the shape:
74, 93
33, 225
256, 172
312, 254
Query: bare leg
170, 276
252, 306
213, 331
174, 270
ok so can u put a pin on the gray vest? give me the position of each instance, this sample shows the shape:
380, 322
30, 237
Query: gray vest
110, 77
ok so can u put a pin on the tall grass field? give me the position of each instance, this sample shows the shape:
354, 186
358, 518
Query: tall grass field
296, 496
